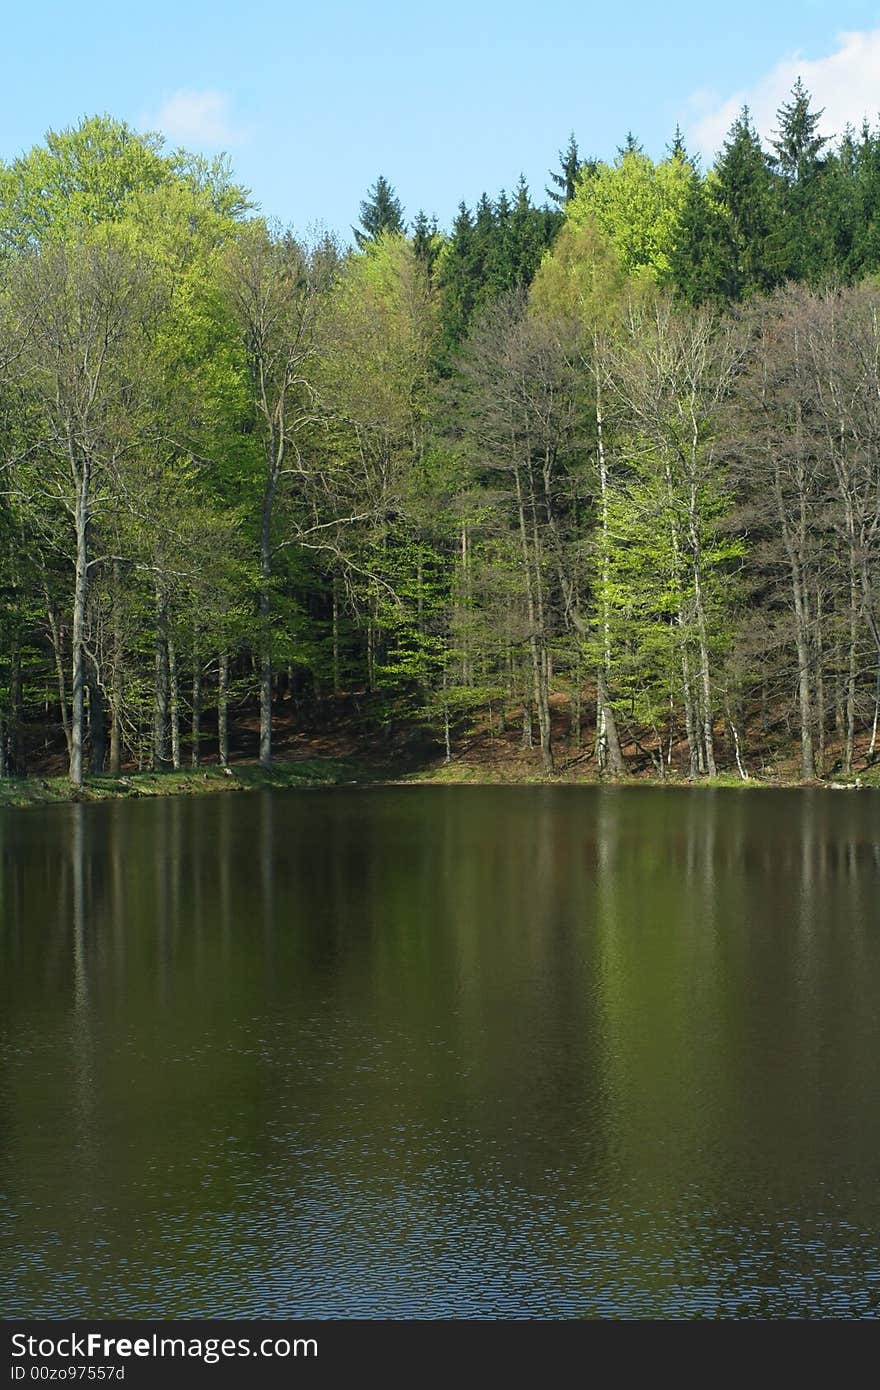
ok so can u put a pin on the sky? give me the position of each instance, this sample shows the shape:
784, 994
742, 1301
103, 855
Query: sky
313, 101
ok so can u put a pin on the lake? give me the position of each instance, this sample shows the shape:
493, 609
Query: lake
467, 1052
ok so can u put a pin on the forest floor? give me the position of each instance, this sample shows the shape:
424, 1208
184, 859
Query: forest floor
340, 746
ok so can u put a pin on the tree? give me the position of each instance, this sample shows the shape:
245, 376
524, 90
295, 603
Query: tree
518, 399
381, 212
742, 185
83, 313
780, 482
426, 239
566, 180
637, 205
275, 288
802, 234
672, 373
583, 283
496, 249
798, 145
379, 336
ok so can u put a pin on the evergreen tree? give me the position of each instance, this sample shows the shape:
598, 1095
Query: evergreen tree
798, 145
802, 234
570, 166
743, 183
381, 211
456, 277
678, 149
533, 230
700, 267
630, 145
426, 238
841, 197
864, 213
493, 251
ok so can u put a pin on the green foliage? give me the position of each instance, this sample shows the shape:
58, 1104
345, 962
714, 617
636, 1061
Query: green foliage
637, 205
95, 173
645, 577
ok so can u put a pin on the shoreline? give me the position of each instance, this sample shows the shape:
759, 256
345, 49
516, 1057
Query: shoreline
310, 774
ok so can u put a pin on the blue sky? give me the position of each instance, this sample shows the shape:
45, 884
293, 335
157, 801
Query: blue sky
313, 101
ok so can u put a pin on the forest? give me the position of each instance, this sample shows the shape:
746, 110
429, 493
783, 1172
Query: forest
601, 471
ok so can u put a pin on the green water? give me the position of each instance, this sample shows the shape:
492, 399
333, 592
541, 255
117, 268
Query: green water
442, 1052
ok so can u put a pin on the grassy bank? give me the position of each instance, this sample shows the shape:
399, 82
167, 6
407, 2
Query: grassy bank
464, 774
344, 771
317, 772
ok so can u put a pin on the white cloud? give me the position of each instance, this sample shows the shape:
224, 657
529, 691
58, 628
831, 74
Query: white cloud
199, 119
846, 83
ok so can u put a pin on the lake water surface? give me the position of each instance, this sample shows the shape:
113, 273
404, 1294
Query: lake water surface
485, 1052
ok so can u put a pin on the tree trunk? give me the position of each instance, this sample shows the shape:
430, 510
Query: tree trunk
196, 754
693, 741
873, 744
851, 672
536, 634
526, 741
116, 677
705, 679
820, 686
15, 756
575, 714
608, 748
608, 751
265, 623
336, 685
57, 635
466, 604
160, 692
80, 594
97, 723
802, 644
222, 710
174, 703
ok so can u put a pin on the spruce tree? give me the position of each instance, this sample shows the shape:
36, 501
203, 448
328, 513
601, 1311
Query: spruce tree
530, 236
865, 258
803, 240
630, 145
678, 148
798, 145
381, 212
426, 238
701, 255
748, 249
455, 273
570, 166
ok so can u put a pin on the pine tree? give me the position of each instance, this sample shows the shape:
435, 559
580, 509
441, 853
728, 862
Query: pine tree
381, 212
